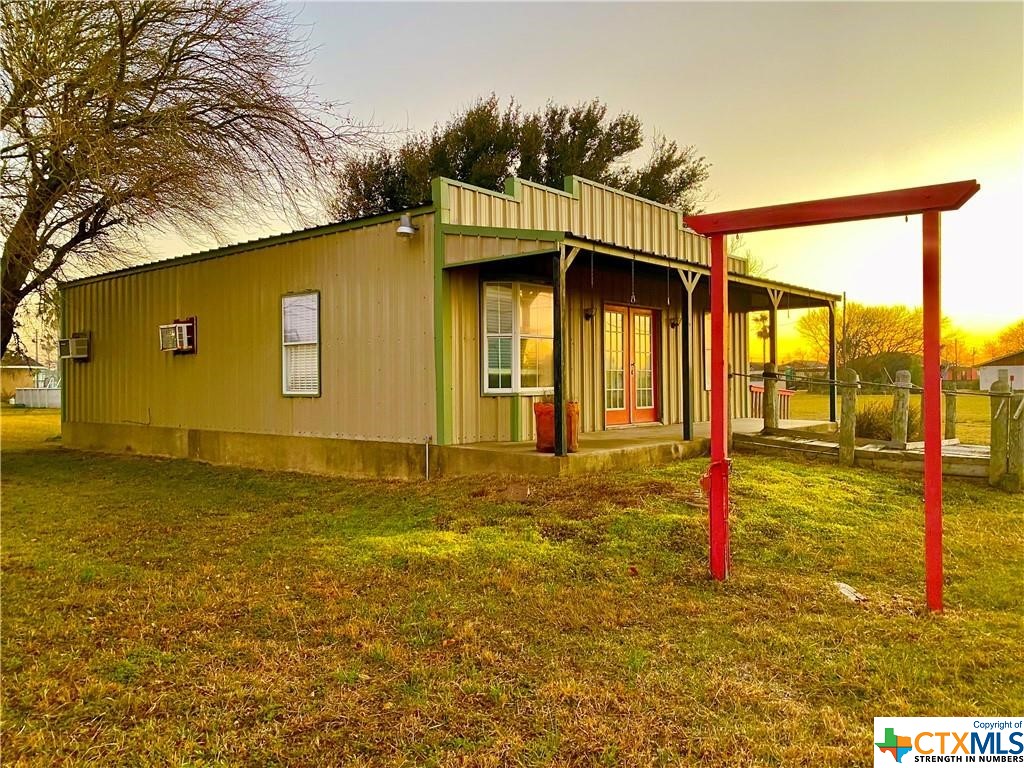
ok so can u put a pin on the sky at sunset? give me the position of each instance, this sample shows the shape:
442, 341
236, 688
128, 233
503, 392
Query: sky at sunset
788, 101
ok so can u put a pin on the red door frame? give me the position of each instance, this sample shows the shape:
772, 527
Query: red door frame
930, 202
631, 414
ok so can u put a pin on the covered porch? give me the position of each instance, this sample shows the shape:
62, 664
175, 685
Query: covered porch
629, 341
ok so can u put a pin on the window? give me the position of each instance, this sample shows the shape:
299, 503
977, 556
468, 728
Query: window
519, 333
300, 344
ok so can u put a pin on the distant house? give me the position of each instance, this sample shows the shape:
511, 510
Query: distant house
988, 372
953, 372
17, 370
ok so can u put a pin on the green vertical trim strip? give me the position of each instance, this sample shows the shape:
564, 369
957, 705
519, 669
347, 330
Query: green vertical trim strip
442, 319
515, 419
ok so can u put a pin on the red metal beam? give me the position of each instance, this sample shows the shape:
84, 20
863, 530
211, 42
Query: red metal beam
718, 491
899, 202
932, 273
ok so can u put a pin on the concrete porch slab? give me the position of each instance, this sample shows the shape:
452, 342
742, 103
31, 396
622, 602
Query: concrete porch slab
611, 449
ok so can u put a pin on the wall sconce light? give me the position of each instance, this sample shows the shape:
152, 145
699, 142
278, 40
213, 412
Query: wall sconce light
588, 314
405, 226
673, 322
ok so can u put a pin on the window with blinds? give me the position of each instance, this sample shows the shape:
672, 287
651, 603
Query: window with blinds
518, 351
300, 344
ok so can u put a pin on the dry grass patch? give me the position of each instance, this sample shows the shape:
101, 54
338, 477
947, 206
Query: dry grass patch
167, 612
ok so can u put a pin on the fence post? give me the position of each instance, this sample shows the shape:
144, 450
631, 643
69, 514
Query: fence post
1014, 480
848, 416
770, 399
950, 433
1000, 408
901, 407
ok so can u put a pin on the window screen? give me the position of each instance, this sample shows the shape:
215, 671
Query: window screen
300, 325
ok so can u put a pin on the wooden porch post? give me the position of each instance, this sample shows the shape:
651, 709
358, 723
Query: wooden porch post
558, 286
832, 361
932, 279
775, 296
690, 280
719, 470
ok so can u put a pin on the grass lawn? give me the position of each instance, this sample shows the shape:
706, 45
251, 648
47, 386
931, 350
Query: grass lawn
171, 613
973, 413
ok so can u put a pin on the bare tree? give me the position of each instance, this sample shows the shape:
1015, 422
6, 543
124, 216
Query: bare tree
1009, 340
870, 330
118, 115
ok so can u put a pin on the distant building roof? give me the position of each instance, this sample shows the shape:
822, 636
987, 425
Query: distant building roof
1014, 358
18, 360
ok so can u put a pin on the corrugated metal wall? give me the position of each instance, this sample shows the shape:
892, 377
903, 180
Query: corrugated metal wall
462, 249
592, 211
482, 418
376, 328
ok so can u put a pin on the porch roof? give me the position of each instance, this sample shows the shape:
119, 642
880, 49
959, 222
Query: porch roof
491, 244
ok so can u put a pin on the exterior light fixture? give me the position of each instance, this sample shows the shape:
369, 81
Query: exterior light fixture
405, 226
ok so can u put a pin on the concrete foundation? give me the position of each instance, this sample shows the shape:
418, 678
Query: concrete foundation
599, 451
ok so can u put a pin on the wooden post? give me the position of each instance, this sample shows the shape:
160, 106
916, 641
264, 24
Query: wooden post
1014, 481
931, 279
848, 416
832, 361
999, 442
690, 280
558, 285
950, 433
775, 297
718, 498
770, 399
685, 374
901, 407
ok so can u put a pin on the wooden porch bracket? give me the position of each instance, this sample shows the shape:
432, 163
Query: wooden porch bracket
571, 256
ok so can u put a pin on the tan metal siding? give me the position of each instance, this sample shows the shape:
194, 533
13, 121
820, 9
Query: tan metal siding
376, 329
738, 356
593, 211
462, 249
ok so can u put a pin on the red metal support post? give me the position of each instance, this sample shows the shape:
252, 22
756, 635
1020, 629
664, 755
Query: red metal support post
718, 495
932, 274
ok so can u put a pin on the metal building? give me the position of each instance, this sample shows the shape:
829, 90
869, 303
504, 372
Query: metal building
367, 346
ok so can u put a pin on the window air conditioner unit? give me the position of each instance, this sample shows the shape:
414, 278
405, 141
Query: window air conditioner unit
75, 348
178, 337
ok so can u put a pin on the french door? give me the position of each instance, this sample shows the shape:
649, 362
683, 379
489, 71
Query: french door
630, 365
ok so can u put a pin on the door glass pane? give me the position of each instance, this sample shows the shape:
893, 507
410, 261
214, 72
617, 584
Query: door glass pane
643, 360
536, 363
614, 361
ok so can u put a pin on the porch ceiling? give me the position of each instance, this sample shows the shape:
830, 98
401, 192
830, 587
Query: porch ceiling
756, 288
467, 246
